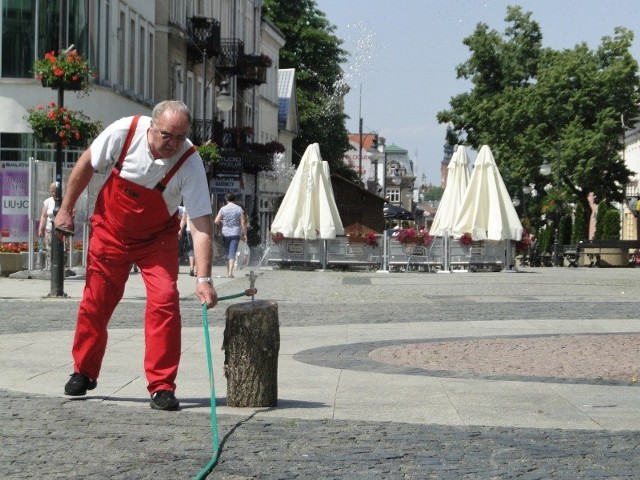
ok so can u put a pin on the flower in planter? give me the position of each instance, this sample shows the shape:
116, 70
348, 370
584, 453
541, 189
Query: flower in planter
368, 238
371, 239
270, 147
277, 237
411, 235
209, 152
466, 239
14, 247
52, 124
65, 69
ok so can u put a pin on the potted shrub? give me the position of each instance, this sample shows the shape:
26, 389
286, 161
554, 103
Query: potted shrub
209, 152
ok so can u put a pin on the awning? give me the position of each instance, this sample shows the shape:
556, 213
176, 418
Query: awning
13, 118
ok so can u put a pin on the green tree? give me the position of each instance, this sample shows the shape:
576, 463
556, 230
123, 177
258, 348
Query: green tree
316, 54
564, 231
528, 103
433, 193
607, 223
611, 227
577, 233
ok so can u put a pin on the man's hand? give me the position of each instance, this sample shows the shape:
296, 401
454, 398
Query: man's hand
207, 294
64, 222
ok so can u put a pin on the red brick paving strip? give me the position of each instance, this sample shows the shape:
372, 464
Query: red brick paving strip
607, 357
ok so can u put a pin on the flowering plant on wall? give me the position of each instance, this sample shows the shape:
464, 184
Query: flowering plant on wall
53, 123
65, 69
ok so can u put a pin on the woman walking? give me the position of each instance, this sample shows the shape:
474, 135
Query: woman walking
234, 227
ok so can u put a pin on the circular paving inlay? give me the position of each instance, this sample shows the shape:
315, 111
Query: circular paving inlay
599, 357
611, 359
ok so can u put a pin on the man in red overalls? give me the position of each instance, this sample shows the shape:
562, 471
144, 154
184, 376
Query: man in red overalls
151, 168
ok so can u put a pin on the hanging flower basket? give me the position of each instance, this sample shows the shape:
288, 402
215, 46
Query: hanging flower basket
53, 124
66, 70
76, 84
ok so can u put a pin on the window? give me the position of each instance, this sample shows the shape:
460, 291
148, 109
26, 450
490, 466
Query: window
190, 91
25, 37
394, 194
179, 83
133, 64
121, 50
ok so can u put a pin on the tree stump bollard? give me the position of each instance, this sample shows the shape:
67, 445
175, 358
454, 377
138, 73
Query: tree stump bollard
251, 345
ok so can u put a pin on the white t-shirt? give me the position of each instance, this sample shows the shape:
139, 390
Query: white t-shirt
50, 205
189, 184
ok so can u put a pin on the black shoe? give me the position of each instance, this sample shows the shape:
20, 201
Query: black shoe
191, 272
164, 400
79, 384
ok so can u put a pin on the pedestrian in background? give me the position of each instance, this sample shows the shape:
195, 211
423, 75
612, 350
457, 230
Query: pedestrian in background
234, 227
46, 222
185, 223
152, 167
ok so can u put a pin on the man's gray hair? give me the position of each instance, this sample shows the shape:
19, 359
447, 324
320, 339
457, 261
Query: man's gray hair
171, 105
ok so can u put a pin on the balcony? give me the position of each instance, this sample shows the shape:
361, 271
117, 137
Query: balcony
204, 130
204, 37
253, 70
229, 61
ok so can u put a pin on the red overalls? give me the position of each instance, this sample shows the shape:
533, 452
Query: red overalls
131, 224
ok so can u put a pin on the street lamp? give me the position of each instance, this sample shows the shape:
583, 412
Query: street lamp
383, 178
224, 102
545, 168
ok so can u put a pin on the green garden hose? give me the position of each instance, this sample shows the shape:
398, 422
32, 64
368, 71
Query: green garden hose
215, 440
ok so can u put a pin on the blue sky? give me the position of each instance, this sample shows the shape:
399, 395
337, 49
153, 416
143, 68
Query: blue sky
404, 54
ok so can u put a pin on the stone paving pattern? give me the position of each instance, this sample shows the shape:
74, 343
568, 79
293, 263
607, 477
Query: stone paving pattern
51, 438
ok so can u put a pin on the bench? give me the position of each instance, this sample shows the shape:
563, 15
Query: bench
571, 253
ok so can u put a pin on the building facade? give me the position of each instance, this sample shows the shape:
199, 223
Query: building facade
143, 52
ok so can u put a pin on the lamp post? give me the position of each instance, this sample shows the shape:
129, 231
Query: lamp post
526, 190
385, 237
545, 170
382, 148
57, 243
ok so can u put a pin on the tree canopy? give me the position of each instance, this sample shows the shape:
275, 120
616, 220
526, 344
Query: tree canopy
316, 54
529, 103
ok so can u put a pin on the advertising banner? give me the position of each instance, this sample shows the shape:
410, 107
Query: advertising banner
14, 210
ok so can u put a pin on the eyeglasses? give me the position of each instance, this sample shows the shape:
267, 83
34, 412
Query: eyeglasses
169, 137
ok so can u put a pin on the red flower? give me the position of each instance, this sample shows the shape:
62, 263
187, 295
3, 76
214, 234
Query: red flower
466, 239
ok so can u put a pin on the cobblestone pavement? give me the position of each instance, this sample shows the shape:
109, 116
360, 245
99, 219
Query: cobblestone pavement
51, 438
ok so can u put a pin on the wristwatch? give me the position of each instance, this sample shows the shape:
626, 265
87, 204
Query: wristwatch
205, 280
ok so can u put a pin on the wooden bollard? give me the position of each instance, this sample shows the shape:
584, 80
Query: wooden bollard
251, 345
